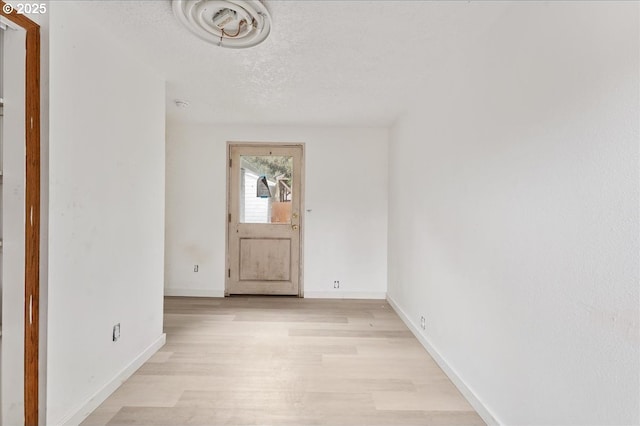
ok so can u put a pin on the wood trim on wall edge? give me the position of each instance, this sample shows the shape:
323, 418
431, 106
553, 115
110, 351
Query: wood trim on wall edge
32, 213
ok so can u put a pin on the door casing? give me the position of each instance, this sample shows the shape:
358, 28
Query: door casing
300, 145
32, 214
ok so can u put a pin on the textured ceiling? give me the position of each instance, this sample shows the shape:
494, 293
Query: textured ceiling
325, 62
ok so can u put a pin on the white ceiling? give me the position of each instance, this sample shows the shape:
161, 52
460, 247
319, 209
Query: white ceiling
325, 62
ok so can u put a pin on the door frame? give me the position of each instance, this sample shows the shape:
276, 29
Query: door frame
32, 213
231, 144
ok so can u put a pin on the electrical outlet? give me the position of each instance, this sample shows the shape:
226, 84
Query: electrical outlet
423, 323
336, 284
195, 268
116, 332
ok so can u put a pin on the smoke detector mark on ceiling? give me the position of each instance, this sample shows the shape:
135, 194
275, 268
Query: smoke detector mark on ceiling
235, 24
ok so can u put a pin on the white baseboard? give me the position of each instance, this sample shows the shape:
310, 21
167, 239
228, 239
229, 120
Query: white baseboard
379, 295
77, 416
475, 402
188, 292
193, 292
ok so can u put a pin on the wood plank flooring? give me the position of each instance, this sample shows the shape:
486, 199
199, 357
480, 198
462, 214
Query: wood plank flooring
286, 361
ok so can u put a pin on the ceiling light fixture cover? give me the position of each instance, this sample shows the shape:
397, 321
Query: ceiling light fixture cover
235, 24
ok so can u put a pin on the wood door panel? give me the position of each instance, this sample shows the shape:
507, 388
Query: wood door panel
265, 259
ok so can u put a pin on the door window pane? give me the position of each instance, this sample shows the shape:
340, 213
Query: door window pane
265, 188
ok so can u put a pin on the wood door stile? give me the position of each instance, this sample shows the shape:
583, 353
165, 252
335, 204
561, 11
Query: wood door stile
32, 213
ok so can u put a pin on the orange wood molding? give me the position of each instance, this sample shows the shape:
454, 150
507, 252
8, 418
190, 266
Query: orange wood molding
32, 214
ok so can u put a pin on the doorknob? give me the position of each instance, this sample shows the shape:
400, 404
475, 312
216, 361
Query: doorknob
294, 227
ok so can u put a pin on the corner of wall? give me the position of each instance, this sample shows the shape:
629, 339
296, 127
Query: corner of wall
483, 411
78, 414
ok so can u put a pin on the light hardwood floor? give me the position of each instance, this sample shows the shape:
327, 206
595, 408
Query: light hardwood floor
286, 361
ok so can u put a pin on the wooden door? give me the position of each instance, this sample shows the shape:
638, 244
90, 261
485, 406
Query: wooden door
264, 219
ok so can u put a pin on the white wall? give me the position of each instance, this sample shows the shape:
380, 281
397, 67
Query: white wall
43, 21
521, 249
106, 227
346, 190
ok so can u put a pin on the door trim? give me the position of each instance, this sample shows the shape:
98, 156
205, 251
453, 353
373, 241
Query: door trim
300, 145
32, 214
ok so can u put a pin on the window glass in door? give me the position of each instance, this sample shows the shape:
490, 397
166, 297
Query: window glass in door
266, 183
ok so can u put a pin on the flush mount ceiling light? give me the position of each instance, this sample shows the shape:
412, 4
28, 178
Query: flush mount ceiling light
235, 24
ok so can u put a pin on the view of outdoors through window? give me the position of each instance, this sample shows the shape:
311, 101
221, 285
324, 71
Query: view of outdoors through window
265, 185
